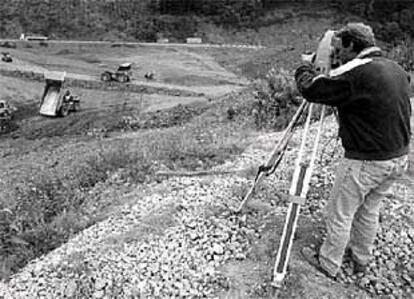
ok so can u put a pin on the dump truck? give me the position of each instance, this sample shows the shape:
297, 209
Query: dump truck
57, 100
122, 74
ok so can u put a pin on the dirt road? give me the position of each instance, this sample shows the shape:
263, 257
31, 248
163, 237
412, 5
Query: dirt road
158, 44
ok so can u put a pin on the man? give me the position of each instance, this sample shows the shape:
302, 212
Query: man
371, 95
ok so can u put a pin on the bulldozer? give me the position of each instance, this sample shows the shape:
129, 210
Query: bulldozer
6, 57
123, 74
57, 100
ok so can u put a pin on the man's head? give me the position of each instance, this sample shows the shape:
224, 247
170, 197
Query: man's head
350, 40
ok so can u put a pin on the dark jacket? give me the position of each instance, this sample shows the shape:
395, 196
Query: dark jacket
371, 94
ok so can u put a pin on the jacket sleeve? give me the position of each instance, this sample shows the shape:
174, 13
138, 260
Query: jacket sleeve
319, 88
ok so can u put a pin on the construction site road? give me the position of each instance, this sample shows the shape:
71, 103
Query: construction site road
93, 82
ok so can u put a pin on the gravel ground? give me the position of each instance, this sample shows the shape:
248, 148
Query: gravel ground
172, 242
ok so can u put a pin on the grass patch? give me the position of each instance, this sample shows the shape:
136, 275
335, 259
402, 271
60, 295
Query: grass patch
90, 59
117, 45
64, 52
175, 116
194, 80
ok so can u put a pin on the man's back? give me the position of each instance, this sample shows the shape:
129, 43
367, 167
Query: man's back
372, 97
375, 120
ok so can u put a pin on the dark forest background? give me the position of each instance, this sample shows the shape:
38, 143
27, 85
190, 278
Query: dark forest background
147, 20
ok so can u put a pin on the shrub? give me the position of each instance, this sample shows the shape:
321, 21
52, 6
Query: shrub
276, 100
388, 31
403, 53
7, 44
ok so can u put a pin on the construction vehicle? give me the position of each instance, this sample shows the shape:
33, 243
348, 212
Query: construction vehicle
6, 110
6, 57
122, 74
149, 75
33, 37
6, 115
57, 100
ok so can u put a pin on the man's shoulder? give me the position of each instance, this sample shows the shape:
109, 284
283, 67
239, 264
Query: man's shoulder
363, 61
350, 66
366, 66
387, 62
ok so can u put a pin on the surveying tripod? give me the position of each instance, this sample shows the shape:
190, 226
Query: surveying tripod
303, 169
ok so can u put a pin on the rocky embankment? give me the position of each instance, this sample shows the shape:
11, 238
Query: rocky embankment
172, 241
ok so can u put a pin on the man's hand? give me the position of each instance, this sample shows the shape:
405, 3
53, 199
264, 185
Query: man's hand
304, 76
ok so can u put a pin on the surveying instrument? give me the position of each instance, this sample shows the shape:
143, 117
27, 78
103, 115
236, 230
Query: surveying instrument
303, 167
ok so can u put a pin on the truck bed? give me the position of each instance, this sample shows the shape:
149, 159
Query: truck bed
50, 102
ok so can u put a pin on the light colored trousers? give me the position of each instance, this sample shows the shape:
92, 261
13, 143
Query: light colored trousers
352, 213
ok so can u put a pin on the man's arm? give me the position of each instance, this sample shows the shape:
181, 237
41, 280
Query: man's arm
319, 88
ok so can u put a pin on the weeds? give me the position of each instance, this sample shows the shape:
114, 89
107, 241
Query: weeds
43, 213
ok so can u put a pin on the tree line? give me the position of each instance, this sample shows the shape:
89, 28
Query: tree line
392, 20
145, 20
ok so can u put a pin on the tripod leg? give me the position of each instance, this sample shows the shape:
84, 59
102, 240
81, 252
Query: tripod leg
277, 152
298, 192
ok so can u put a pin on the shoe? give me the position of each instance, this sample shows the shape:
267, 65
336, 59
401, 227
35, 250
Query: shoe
348, 255
312, 257
358, 267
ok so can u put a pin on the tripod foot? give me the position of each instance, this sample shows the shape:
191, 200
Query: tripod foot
274, 291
